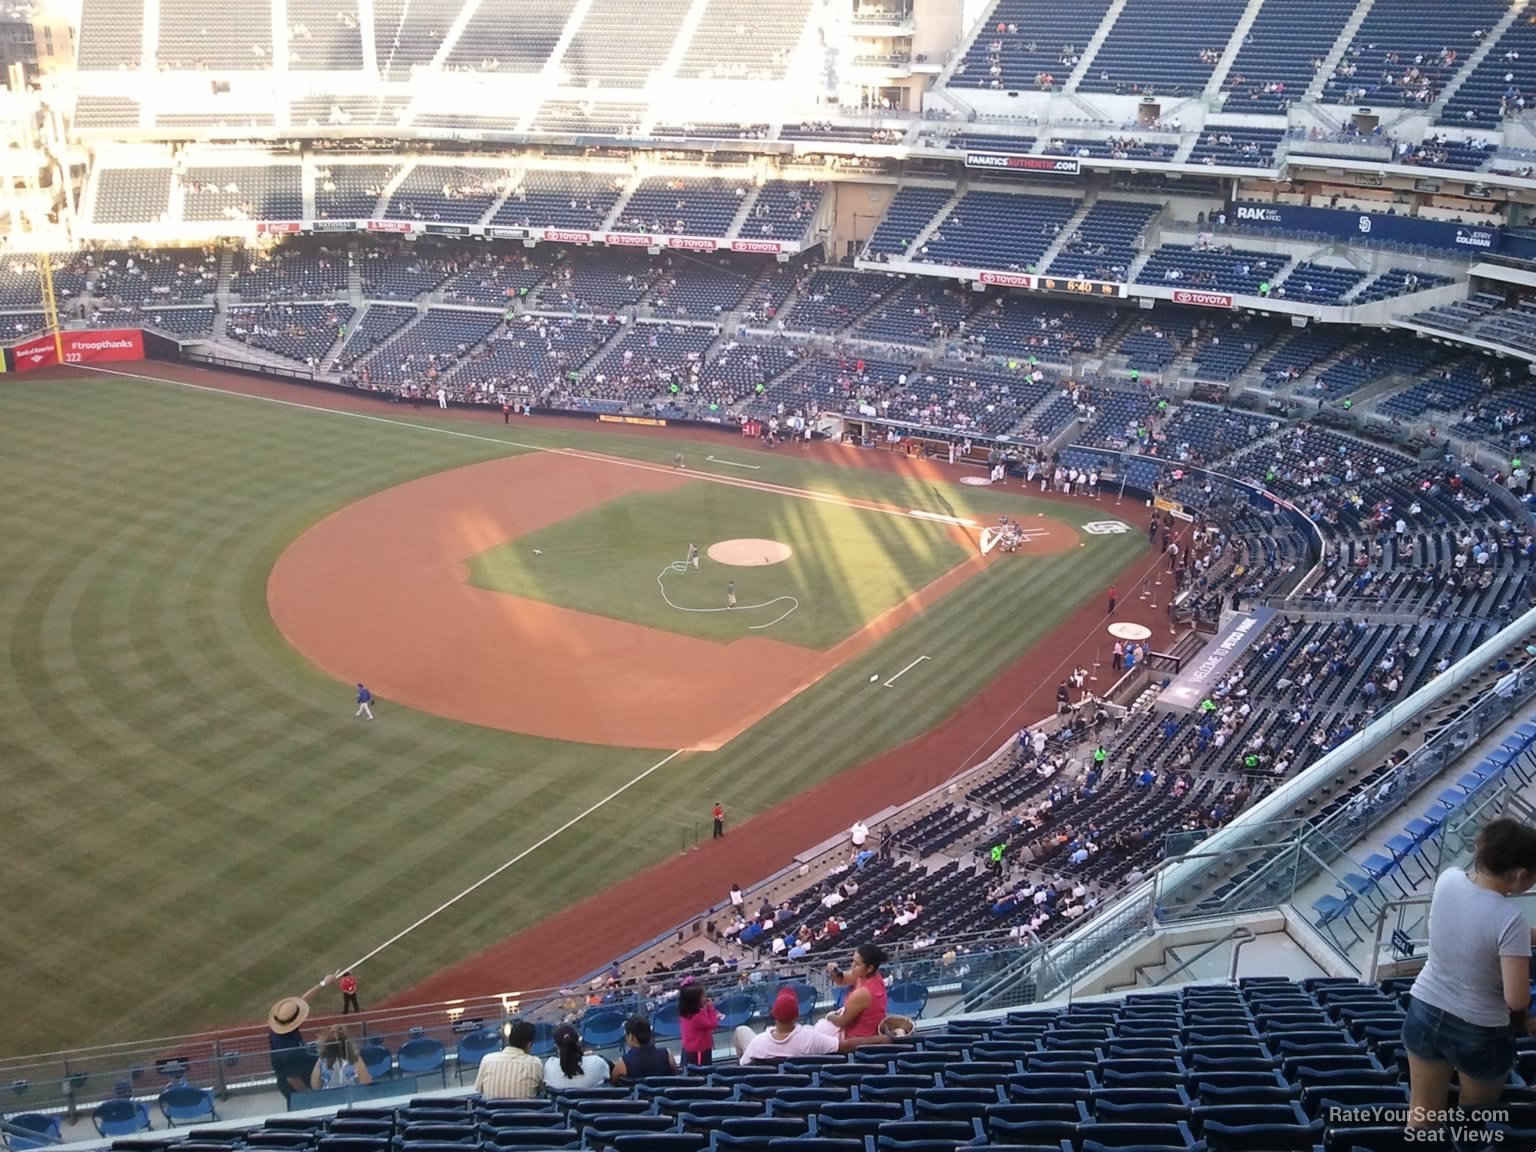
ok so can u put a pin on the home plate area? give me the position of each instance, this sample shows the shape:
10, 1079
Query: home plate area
1009, 536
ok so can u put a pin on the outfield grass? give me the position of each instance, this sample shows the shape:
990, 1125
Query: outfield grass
847, 567
196, 824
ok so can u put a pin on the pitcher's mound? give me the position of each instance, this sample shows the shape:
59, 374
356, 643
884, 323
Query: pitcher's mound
749, 553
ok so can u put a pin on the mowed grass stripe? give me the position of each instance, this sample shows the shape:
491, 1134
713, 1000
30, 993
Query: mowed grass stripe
194, 803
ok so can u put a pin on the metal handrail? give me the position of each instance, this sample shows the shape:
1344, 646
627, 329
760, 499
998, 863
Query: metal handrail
1237, 951
1240, 934
1374, 963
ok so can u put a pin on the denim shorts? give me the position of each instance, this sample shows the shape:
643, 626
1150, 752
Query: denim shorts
1474, 1050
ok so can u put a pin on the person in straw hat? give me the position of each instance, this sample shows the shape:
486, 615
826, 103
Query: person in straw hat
291, 1060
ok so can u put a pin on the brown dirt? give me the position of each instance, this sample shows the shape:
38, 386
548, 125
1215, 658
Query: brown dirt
746, 553
377, 592
585, 937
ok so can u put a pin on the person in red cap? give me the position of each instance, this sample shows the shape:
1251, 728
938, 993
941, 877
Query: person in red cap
718, 812
787, 1037
1111, 599
348, 985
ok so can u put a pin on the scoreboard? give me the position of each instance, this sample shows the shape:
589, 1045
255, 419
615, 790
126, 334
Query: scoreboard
1104, 288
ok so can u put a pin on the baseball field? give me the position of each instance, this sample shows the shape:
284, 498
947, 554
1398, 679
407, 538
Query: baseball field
194, 579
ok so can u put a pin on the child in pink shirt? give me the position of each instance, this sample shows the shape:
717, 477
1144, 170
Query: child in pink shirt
698, 1019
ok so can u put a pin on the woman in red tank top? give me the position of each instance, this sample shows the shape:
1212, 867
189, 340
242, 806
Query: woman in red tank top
864, 1008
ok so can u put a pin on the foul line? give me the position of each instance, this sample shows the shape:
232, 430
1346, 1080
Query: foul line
569, 824
731, 463
306, 407
758, 485
905, 670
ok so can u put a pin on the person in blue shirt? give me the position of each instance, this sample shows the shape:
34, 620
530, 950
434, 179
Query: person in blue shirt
364, 702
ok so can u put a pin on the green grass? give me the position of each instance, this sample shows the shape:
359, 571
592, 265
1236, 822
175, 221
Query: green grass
847, 567
194, 823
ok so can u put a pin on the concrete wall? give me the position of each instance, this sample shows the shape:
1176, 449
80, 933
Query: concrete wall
937, 28
857, 209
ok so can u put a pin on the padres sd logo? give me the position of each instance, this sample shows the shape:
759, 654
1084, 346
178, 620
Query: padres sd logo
1106, 528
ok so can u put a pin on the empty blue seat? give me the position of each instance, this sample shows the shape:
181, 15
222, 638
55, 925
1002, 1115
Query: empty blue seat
32, 1130
658, 1142
927, 1135
184, 1104
754, 1135
908, 998
704, 1115
953, 1103
764, 1086
120, 1118
601, 1028
736, 1009
806, 1101
858, 1118
1033, 1123
899, 1086
664, 1022
1103, 1135
276, 1138
422, 1057
355, 1144
606, 1128
1139, 1113
533, 1138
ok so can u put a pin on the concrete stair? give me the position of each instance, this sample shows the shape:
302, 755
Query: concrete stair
1336, 53
1234, 46
596, 358
1067, 229
1095, 42
1490, 38
938, 217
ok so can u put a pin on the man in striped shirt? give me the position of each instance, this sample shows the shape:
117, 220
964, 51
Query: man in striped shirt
513, 1073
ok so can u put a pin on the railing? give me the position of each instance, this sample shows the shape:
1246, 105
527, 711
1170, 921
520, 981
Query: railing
1412, 928
236, 1059
1373, 965
1237, 938
1281, 854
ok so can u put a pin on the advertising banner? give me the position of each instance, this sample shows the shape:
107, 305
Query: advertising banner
643, 421
756, 246
399, 226
627, 240
110, 344
1202, 299
507, 233
566, 236
333, 226
79, 348
1379, 226
1200, 675
279, 227
697, 243
38, 352
1013, 162
1006, 279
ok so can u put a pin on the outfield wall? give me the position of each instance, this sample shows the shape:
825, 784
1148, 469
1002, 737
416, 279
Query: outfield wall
91, 346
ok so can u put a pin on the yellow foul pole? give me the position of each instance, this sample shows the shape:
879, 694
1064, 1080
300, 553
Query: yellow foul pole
50, 304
